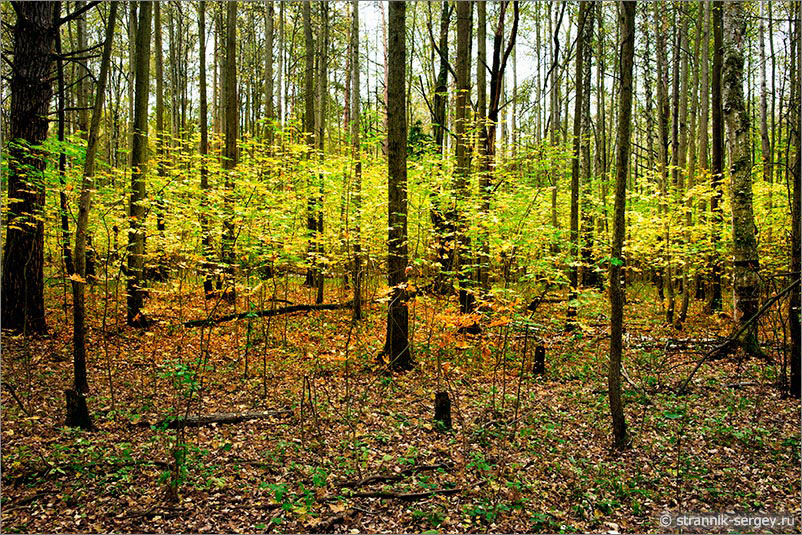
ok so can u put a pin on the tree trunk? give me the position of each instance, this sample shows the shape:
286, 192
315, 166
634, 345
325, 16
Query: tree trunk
716, 164
796, 217
206, 241
161, 155
746, 284
586, 253
270, 113
23, 307
136, 233
230, 153
627, 29
462, 150
80, 383
441, 89
356, 156
309, 134
397, 345
573, 272
663, 116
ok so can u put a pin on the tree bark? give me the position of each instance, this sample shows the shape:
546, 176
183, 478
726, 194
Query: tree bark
23, 307
206, 240
397, 345
462, 150
627, 30
716, 164
80, 383
573, 270
746, 283
356, 156
136, 233
230, 152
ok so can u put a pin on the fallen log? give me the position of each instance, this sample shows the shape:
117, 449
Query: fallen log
216, 418
265, 313
406, 496
396, 477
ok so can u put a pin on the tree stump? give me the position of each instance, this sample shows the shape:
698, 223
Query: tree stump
539, 364
77, 411
442, 411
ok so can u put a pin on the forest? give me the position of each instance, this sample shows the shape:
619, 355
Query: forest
439, 266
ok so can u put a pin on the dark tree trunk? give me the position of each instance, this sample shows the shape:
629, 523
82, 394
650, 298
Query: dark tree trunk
627, 28
397, 345
206, 240
230, 154
441, 89
23, 307
796, 212
82, 264
442, 411
462, 149
77, 411
716, 162
573, 272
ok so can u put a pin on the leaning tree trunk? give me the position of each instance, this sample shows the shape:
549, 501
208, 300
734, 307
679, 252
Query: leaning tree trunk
136, 233
23, 306
744, 244
80, 383
397, 345
627, 24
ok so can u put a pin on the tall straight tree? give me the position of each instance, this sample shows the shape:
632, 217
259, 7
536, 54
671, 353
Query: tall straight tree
270, 113
462, 150
627, 31
746, 283
206, 239
139, 158
666, 282
23, 306
796, 216
356, 156
230, 153
397, 345
573, 272
716, 163
313, 272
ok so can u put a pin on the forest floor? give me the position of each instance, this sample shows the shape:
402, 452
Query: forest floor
526, 454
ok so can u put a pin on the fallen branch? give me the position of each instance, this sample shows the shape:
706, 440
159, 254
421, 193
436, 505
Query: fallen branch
407, 496
265, 313
733, 339
396, 477
13, 392
217, 418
